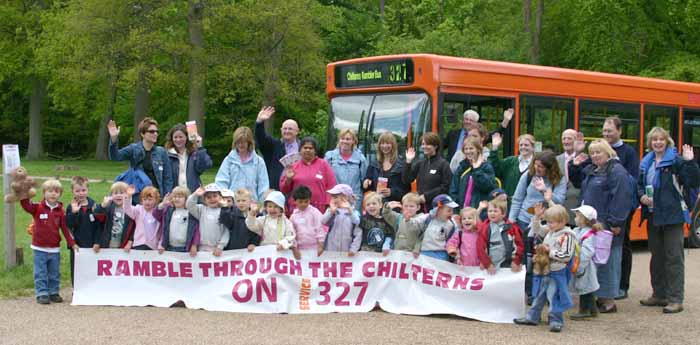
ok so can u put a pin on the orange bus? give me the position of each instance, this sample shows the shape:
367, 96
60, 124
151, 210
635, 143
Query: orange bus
417, 93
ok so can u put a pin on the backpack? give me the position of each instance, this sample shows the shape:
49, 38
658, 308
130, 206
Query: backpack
603, 242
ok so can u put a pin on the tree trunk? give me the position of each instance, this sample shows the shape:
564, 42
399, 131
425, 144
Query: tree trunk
36, 102
270, 91
102, 136
527, 14
142, 102
536, 35
197, 64
381, 8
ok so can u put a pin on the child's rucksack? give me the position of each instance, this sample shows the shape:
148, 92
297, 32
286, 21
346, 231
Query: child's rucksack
603, 242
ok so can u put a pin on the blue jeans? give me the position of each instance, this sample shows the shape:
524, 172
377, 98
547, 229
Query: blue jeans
545, 294
609, 274
437, 254
47, 273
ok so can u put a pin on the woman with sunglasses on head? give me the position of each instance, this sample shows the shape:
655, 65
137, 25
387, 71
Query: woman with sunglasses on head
144, 155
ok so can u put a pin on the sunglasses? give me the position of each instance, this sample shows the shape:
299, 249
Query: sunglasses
152, 131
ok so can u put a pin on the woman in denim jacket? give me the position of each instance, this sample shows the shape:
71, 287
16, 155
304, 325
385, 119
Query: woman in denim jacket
348, 163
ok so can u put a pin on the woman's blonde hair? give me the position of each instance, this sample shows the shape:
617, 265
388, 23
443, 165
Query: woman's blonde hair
602, 145
387, 137
528, 137
473, 142
658, 131
245, 134
345, 131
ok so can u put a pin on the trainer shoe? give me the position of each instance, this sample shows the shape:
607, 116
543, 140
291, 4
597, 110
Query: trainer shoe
673, 308
524, 321
56, 298
43, 299
555, 328
654, 302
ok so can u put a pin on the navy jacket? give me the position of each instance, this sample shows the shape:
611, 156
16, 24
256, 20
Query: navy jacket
135, 153
84, 226
240, 236
272, 149
164, 216
607, 190
667, 201
629, 158
105, 215
395, 183
197, 162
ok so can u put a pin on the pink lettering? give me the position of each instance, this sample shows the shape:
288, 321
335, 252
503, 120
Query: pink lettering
103, 267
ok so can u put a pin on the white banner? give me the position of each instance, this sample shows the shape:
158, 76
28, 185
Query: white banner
268, 281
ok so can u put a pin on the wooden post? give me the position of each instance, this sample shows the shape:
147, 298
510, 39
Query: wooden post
10, 160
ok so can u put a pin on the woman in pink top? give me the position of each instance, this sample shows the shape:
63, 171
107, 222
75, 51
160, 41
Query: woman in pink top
146, 234
463, 242
310, 171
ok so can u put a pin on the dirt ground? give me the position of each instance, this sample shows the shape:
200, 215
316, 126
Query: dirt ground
22, 321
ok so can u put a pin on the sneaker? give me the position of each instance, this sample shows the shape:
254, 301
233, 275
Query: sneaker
673, 308
524, 321
582, 314
607, 308
43, 299
555, 328
654, 302
56, 298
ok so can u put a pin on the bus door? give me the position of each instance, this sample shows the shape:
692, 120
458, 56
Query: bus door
546, 118
691, 130
490, 108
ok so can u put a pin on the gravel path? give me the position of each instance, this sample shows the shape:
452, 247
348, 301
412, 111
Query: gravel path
22, 321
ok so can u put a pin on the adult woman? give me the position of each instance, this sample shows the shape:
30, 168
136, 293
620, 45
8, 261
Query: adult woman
474, 179
432, 172
311, 172
145, 155
389, 167
188, 160
511, 168
605, 186
478, 132
348, 163
541, 183
659, 170
242, 167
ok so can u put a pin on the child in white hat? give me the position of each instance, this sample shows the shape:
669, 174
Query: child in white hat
585, 281
213, 235
273, 226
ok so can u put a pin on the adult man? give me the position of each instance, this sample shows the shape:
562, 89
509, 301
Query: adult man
612, 129
470, 119
272, 149
568, 140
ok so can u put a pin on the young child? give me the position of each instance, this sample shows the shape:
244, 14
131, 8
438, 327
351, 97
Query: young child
48, 217
409, 225
307, 221
343, 221
146, 235
180, 231
81, 219
273, 227
377, 233
560, 242
118, 229
462, 244
227, 198
500, 242
440, 227
213, 236
585, 281
233, 218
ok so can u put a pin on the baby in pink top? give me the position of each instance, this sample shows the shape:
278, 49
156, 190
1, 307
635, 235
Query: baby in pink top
463, 242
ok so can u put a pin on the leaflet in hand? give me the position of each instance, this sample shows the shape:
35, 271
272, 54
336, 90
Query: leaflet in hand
290, 159
382, 183
191, 130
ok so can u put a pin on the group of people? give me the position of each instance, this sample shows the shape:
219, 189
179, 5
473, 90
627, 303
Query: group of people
472, 206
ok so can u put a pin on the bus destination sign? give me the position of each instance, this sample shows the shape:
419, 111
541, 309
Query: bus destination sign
384, 73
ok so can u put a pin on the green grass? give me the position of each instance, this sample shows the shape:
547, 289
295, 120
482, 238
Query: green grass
19, 281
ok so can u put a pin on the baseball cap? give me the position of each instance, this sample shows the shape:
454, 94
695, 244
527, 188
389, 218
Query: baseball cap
212, 188
444, 200
587, 211
341, 189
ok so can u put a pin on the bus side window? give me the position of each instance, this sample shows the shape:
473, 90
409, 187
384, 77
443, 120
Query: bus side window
592, 115
661, 116
546, 118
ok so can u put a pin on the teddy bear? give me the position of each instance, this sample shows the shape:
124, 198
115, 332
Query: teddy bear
540, 262
21, 185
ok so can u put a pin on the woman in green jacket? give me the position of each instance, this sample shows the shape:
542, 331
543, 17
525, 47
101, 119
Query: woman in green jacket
474, 178
509, 169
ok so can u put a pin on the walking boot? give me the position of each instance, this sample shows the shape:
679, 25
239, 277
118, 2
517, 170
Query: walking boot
654, 302
673, 308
